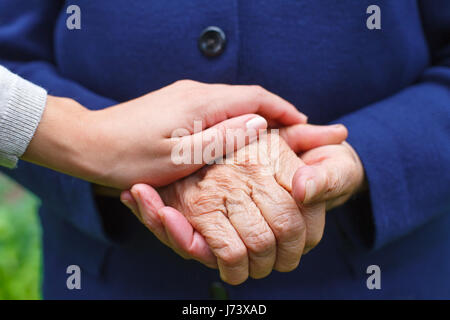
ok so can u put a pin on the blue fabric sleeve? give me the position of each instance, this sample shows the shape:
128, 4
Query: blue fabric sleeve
404, 145
26, 48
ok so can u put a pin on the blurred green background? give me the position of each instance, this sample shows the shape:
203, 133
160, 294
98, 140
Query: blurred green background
20, 243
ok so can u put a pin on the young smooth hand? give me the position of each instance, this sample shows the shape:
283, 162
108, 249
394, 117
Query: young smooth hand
132, 142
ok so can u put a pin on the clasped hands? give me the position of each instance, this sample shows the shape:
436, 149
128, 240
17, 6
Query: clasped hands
246, 217
260, 210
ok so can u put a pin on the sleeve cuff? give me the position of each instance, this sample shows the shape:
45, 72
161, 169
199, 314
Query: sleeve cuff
378, 150
19, 120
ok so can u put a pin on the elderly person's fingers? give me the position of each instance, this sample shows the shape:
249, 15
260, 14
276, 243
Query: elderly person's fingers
284, 218
302, 137
314, 216
332, 172
299, 138
185, 239
146, 211
286, 164
227, 246
331, 175
254, 231
168, 225
215, 142
201, 199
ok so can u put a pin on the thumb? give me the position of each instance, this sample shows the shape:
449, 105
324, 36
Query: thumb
304, 184
321, 182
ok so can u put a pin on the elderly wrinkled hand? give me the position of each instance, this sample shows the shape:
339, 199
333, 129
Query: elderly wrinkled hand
330, 176
242, 208
245, 211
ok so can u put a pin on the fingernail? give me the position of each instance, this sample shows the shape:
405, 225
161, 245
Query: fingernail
338, 126
256, 123
310, 190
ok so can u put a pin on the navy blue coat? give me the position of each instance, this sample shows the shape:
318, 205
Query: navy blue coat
390, 87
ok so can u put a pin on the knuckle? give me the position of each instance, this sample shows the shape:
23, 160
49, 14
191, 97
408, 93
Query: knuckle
185, 83
258, 91
261, 244
190, 90
233, 255
333, 182
199, 203
287, 227
281, 227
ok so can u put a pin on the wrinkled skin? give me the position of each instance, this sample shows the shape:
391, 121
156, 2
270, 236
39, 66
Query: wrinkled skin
325, 152
245, 211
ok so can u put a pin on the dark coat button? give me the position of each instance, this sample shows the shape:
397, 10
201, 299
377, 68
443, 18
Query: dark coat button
217, 291
212, 41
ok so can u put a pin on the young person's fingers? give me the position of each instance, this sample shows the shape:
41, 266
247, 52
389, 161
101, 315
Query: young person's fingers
243, 99
218, 102
215, 142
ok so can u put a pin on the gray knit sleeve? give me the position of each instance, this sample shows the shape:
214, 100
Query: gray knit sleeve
21, 106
